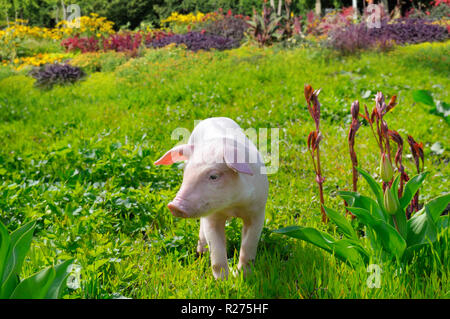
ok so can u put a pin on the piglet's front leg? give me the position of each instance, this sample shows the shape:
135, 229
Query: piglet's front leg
251, 232
214, 231
201, 246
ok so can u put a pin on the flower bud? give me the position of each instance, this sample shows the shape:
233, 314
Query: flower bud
389, 202
386, 169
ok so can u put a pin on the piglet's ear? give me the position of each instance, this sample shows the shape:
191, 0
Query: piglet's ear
231, 159
176, 154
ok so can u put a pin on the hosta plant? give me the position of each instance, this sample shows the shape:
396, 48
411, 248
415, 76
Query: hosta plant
45, 284
390, 234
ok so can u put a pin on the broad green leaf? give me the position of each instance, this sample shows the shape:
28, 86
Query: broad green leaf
400, 216
421, 229
36, 286
4, 248
437, 205
59, 282
388, 236
341, 222
357, 200
346, 250
394, 186
374, 186
423, 96
411, 188
20, 244
18, 233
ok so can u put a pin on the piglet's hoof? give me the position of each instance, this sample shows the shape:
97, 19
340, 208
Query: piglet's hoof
201, 248
220, 272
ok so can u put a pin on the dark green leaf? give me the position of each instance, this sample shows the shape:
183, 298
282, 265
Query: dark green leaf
437, 205
388, 236
400, 216
35, 286
4, 249
421, 229
374, 186
59, 282
20, 244
411, 188
341, 222
358, 200
346, 250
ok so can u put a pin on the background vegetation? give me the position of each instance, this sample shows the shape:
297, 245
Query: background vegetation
133, 12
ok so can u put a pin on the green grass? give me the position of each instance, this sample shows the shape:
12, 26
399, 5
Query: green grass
78, 159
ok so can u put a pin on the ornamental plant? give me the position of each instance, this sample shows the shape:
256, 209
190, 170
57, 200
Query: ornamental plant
392, 232
123, 42
229, 26
358, 37
49, 283
181, 23
390, 235
88, 26
58, 73
264, 28
83, 44
156, 35
196, 41
314, 139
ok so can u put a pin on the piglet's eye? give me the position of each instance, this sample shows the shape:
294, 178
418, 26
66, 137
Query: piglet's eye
213, 177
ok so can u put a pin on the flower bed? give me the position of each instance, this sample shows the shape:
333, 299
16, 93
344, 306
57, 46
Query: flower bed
196, 41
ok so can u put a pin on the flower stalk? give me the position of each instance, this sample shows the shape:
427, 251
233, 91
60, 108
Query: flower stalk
354, 126
418, 155
314, 139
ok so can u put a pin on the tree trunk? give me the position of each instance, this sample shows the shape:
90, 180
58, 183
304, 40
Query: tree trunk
272, 4
318, 7
64, 10
280, 2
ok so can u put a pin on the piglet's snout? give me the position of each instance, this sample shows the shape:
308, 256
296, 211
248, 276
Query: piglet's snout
177, 210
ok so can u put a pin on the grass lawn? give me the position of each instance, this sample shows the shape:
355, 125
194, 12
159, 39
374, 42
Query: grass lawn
79, 160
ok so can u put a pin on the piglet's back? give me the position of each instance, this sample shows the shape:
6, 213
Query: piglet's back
216, 128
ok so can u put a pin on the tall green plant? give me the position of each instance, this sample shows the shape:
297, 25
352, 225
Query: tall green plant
264, 28
46, 284
390, 235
